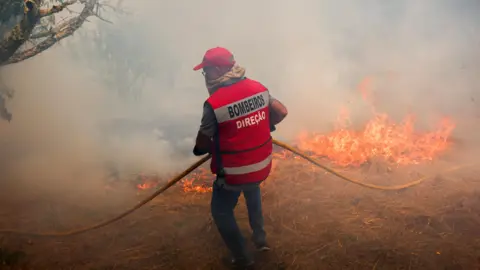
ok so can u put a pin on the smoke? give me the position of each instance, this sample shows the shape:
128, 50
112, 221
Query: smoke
70, 126
313, 54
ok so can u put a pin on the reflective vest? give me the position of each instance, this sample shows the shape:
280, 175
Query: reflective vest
242, 151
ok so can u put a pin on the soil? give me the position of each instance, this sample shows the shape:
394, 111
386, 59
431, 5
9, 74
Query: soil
313, 221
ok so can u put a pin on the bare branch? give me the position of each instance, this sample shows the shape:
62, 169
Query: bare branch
28, 28
56, 8
5, 94
57, 33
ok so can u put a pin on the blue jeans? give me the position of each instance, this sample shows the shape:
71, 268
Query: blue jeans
222, 206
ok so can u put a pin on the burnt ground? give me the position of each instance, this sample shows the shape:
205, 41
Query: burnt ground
313, 221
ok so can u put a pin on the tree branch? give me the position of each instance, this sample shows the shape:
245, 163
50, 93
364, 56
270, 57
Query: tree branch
56, 8
5, 94
57, 33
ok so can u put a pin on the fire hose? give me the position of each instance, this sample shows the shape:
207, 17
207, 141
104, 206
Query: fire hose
195, 165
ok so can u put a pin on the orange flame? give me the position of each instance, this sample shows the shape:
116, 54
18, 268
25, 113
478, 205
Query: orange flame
381, 137
147, 182
201, 175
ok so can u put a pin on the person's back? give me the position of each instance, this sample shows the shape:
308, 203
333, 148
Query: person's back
236, 123
243, 143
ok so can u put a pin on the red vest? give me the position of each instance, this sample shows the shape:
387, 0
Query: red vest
243, 144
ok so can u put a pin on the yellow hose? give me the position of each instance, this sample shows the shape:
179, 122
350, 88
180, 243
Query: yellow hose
367, 185
195, 165
169, 184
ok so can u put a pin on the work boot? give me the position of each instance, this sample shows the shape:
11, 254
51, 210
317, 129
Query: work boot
240, 263
260, 243
262, 246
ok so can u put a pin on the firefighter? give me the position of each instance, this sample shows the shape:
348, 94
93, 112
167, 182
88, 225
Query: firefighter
238, 117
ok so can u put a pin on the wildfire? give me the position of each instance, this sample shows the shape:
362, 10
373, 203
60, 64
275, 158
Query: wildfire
201, 175
200, 180
381, 137
147, 182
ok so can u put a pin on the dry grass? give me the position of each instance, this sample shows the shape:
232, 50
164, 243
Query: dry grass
313, 221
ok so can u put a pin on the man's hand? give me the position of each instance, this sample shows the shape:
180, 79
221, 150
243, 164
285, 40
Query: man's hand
203, 144
198, 152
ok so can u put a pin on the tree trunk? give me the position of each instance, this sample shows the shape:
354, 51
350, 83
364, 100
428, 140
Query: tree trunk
20, 33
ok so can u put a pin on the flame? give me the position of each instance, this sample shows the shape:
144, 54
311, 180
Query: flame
146, 186
381, 137
189, 186
200, 175
200, 180
147, 182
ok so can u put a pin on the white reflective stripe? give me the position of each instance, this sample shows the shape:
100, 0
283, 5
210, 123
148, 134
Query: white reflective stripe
242, 107
249, 168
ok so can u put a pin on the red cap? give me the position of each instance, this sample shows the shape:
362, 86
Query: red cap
216, 57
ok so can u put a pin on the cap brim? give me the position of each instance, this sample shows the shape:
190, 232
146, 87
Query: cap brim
199, 66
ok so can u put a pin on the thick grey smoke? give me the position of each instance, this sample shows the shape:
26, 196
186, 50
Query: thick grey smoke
70, 124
